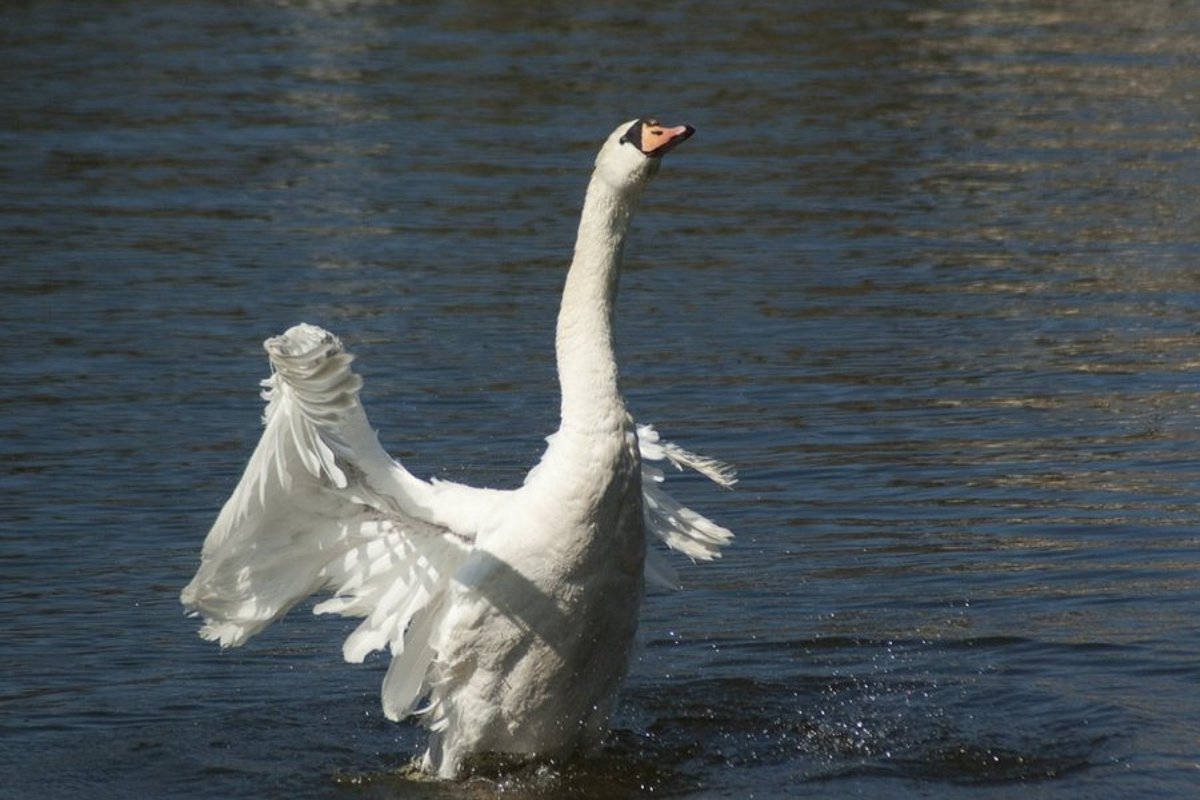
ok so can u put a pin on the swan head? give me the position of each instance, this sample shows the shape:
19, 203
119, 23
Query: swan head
633, 152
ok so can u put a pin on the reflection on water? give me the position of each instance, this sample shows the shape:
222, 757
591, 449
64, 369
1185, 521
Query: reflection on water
926, 274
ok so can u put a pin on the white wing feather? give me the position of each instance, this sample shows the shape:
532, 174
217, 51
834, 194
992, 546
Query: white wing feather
321, 505
678, 527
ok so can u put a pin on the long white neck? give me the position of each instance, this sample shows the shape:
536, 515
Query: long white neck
587, 366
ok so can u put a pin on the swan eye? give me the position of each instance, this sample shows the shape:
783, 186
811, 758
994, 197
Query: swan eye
633, 135
638, 130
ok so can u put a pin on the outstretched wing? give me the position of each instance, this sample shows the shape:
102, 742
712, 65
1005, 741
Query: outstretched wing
677, 526
322, 506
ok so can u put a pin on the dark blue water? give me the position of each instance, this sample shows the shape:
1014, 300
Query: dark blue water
927, 274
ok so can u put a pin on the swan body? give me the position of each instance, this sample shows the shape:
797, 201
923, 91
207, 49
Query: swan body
509, 615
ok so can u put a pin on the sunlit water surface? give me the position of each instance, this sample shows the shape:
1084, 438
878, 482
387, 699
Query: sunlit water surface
927, 274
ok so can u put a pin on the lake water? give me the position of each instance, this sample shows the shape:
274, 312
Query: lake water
928, 274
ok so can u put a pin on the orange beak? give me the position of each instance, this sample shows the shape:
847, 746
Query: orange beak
657, 139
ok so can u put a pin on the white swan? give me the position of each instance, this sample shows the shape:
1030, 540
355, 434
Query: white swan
511, 613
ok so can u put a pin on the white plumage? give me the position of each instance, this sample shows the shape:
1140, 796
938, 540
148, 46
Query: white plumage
511, 614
